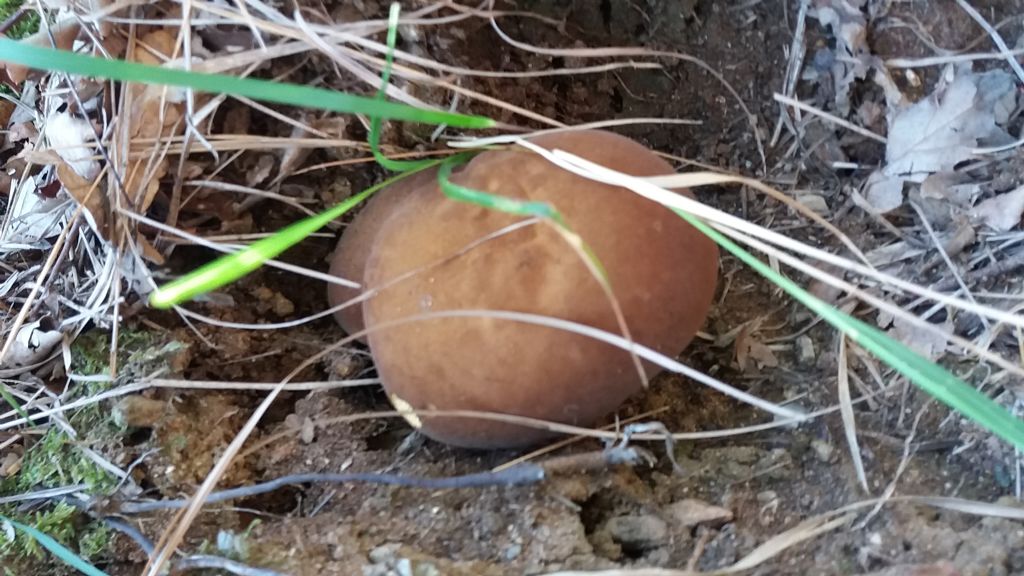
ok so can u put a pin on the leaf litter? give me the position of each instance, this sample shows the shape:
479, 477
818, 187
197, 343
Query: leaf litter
939, 132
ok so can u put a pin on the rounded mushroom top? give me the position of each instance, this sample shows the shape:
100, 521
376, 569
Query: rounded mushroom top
349, 259
663, 273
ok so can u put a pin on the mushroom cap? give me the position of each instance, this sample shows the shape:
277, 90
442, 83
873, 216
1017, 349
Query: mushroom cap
349, 259
662, 271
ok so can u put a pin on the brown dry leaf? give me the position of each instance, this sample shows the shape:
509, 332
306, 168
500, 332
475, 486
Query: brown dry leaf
6, 110
145, 184
149, 252
155, 48
157, 112
1002, 212
79, 188
23, 131
237, 120
748, 347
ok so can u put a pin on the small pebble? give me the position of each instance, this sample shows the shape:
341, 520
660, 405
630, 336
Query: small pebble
692, 512
512, 552
282, 305
139, 411
805, 350
815, 202
383, 553
638, 533
823, 450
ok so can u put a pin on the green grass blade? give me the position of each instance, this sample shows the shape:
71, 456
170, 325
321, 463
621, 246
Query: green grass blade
517, 207
230, 268
376, 122
58, 549
9, 398
265, 90
927, 375
492, 201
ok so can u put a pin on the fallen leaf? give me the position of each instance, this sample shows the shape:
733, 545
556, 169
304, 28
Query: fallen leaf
157, 113
1002, 212
852, 59
938, 132
922, 341
73, 139
890, 254
882, 193
32, 218
22, 131
86, 193
31, 345
749, 347
6, 109
149, 252
950, 186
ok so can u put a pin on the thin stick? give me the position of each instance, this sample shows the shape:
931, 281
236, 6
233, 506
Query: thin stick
996, 38
950, 59
830, 117
846, 411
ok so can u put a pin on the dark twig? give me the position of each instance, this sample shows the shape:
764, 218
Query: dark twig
12, 20
130, 531
204, 562
1010, 263
519, 475
589, 461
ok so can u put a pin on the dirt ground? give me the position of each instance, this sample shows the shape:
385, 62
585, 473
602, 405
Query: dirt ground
731, 494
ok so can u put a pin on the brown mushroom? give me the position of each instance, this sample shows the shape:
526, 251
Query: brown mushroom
662, 270
349, 259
